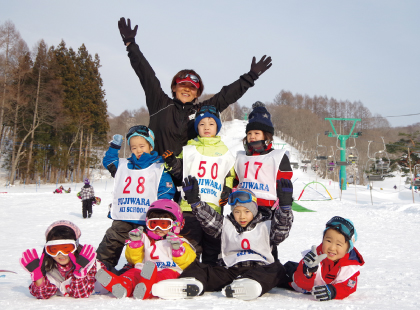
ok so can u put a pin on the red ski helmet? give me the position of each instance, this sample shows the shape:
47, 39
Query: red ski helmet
171, 207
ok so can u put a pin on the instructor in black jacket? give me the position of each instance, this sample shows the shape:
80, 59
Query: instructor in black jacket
172, 119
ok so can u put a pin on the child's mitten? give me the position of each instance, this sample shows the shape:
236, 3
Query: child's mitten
117, 141
312, 259
176, 244
135, 238
85, 260
32, 264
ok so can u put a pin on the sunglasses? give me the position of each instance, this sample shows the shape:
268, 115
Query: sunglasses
164, 224
65, 247
140, 129
193, 77
342, 225
240, 196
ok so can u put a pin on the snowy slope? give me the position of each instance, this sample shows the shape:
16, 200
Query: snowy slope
388, 240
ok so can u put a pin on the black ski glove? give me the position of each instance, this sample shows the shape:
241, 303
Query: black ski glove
224, 196
126, 32
285, 193
169, 158
324, 292
191, 190
260, 67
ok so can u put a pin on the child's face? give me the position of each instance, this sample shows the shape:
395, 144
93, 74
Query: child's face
62, 259
242, 215
207, 127
334, 245
254, 135
139, 145
185, 92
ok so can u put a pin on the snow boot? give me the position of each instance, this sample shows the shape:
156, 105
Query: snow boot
177, 288
143, 290
245, 289
119, 286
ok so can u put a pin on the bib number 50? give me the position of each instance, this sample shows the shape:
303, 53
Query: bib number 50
139, 188
202, 170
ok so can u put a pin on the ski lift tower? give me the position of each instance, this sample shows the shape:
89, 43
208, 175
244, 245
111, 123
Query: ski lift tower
343, 139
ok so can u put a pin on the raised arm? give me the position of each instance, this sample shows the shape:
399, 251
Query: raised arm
156, 98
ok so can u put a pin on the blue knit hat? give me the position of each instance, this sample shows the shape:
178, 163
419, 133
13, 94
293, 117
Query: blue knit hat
150, 138
259, 119
208, 111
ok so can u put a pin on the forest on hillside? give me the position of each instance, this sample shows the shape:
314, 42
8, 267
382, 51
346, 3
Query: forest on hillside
53, 113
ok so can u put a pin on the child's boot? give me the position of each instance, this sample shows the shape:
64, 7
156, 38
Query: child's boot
143, 290
119, 286
177, 288
245, 289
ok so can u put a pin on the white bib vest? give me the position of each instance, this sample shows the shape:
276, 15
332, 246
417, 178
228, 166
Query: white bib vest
251, 245
160, 252
259, 173
210, 172
135, 191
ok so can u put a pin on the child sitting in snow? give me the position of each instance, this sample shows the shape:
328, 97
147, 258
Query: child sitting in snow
247, 268
330, 270
65, 268
157, 255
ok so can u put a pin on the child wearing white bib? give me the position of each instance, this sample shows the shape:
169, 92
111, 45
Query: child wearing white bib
157, 254
260, 167
208, 159
138, 181
246, 269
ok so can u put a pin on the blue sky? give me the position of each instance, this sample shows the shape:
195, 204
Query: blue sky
349, 50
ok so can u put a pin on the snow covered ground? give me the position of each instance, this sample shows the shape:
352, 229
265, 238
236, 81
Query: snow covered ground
388, 240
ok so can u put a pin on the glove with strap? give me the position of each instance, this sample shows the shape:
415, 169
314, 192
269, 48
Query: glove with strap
224, 196
312, 260
126, 32
32, 264
324, 292
285, 193
86, 259
260, 67
191, 190
135, 238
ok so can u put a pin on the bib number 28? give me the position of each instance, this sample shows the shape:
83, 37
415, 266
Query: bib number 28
139, 187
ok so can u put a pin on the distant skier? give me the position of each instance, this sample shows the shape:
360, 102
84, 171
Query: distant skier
88, 196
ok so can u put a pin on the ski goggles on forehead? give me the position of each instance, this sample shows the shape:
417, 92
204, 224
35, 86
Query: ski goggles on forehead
163, 224
140, 129
209, 108
65, 247
242, 197
342, 225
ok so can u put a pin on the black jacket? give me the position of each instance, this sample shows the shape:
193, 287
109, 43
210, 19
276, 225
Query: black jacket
170, 119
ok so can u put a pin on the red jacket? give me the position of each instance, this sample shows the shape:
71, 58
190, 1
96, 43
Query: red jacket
342, 274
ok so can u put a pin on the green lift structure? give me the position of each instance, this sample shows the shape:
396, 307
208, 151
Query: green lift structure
343, 139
